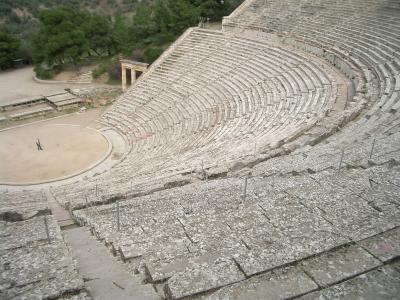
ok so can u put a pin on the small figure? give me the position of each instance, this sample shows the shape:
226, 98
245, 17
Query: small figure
39, 145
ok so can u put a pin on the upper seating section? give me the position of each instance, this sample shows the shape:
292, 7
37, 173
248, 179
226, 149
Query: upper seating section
349, 34
361, 38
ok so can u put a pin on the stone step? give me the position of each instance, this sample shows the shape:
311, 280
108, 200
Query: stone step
108, 278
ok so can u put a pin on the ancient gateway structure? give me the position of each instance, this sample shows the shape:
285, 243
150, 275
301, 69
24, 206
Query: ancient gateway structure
261, 161
133, 66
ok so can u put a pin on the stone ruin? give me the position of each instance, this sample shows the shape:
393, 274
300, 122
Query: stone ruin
262, 162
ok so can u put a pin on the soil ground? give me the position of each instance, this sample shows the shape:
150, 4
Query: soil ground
19, 84
69, 146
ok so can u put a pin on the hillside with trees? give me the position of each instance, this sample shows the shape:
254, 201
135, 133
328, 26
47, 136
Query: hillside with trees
53, 34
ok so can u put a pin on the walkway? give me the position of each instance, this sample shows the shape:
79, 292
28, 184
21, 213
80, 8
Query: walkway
106, 278
18, 84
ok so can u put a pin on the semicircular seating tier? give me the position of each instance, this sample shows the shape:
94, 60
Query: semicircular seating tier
213, 99
302, 217
361, 38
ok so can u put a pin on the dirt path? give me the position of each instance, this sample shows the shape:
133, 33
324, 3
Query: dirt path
19, 84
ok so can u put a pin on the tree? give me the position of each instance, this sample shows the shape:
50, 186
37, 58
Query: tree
61, 37
183, 14
144, 24
8, 49
99, 34
152, 53
120, 35
216, 9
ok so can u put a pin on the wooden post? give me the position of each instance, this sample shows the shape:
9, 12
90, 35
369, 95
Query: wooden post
245, 189
204, 171
118, 221
131, 187
341, 160
70, 209
372, 148
46, 226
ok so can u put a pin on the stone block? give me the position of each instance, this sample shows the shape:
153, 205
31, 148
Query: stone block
339, 265
385, 246
203, 277
383, 283
280, 284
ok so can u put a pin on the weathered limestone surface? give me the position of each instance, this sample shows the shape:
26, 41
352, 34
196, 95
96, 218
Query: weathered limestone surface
383, 283
80, 296
285, 283
336, 266
18, 206
311, 220
36, 265
43, 271
385, 246
28, 233
106, 278
203, 277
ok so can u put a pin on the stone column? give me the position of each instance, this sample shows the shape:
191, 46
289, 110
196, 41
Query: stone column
123, 78
133, 76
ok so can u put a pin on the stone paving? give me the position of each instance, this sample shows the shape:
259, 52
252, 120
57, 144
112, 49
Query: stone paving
203, 236
36, 262
17, 206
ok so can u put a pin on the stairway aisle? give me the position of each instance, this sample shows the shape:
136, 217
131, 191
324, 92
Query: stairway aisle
104, 277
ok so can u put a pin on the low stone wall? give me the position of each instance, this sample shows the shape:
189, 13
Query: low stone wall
97, 93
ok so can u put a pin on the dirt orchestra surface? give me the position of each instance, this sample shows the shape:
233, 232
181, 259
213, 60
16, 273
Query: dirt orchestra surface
67, 149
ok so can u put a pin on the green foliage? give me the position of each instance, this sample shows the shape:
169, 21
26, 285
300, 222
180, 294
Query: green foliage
25, 51
181, 15
68, 34
121, 37
215, 9
98, 34
42, 73
8, 49
152, 53
99, 70
61, 37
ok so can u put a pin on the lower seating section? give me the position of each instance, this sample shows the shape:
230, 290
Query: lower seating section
36, 263
364, 277
213, 100
18, 206
203, 236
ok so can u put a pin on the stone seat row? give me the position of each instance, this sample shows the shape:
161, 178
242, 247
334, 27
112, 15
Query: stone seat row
220, 108
17, 206
205, 230
36, 262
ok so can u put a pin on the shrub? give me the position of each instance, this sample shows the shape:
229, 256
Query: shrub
42, 73
98, 71
152, 53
